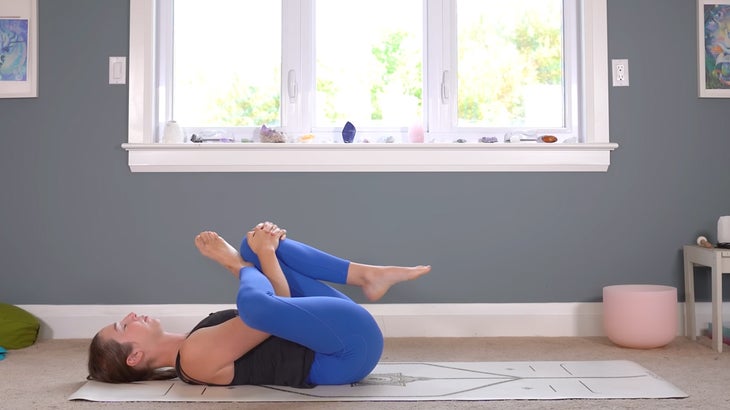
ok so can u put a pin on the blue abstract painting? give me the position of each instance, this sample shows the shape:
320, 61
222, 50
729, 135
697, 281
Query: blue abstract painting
13, 49
717, 46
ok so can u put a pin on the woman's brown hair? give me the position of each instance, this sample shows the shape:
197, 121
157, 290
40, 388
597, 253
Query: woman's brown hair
108, 363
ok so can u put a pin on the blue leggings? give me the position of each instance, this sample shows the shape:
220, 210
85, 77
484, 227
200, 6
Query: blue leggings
346, 340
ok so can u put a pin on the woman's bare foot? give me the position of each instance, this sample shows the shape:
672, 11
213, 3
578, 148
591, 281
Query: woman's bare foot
375, 281
211, 245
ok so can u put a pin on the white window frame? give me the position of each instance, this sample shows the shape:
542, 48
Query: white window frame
592, 154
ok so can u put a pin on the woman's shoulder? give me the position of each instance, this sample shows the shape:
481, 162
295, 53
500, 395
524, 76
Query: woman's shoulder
216, 318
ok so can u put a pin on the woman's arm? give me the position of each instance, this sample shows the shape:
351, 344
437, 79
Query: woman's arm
264, 240
272, 269
208, 354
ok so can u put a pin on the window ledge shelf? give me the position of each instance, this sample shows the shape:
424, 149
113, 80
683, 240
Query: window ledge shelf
252, 157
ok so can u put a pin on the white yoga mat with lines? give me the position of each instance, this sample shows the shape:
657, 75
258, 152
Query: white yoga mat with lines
540, 380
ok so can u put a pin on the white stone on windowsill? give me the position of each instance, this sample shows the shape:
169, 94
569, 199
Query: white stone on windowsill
469, 157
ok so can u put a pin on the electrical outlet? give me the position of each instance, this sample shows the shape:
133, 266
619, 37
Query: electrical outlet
620, 73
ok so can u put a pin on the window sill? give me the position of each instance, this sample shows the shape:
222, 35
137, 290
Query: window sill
233, 157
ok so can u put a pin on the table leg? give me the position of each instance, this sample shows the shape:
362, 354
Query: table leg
689, 299
717, 303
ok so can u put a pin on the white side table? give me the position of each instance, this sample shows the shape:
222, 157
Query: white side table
718, 260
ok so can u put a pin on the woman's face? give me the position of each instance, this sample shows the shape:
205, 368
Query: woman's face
133, 328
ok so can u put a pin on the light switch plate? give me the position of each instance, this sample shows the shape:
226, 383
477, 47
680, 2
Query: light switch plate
117, 70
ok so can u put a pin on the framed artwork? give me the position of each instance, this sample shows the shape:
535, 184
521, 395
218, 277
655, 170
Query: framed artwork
713, 46
18, 48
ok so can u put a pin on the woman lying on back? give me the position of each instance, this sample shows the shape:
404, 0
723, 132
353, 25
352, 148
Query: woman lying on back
290, 328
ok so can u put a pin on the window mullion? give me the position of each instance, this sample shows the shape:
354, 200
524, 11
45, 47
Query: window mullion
571, 69
290, 65
441, 55
165, 65
297, 66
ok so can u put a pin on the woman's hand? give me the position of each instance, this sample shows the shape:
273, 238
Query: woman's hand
265, 237
272, 228
263, 241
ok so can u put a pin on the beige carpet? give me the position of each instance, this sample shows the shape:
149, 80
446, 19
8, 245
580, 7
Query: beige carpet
44, 375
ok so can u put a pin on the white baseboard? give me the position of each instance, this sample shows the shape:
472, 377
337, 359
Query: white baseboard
395, 320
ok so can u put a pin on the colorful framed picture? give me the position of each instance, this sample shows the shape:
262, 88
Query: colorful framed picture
18, 48
713, 46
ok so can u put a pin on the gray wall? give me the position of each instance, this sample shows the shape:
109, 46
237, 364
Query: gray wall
77, 227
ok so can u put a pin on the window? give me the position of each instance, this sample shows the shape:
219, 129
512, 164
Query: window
512, 65
368, 69
219, 76
466, 72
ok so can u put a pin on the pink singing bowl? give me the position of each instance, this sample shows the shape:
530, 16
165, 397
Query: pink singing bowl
640, 316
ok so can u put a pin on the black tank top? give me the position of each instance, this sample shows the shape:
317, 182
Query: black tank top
275, 361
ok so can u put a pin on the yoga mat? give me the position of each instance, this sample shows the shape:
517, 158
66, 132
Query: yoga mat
539, 380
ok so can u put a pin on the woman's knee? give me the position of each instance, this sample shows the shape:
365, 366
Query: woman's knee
247, 253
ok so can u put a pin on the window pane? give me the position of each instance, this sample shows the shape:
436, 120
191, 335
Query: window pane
227, 59
369, 62
510, 57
